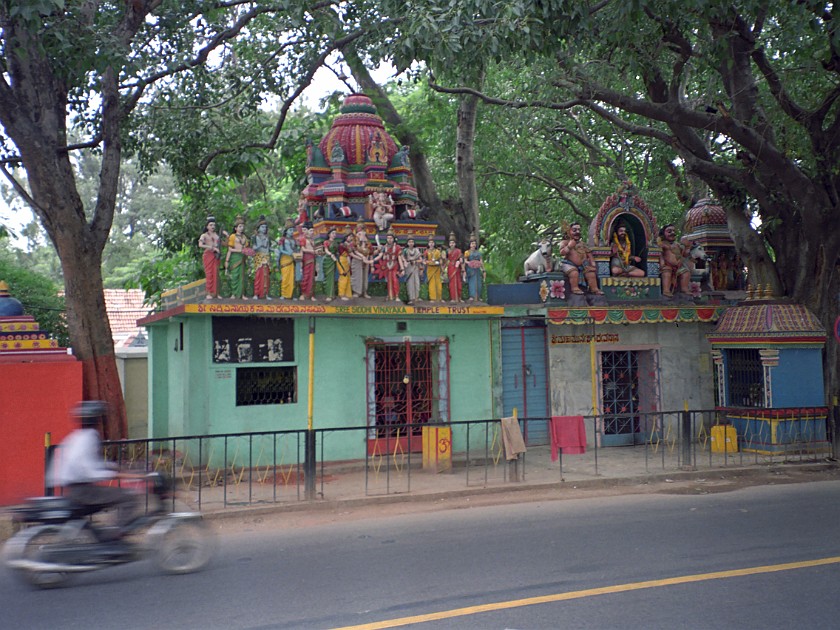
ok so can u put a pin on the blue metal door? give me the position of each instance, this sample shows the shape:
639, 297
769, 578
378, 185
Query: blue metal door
525, 378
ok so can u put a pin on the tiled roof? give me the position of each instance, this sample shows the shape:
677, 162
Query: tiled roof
124, 308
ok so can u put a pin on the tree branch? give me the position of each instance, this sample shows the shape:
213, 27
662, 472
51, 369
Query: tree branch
541, 104
20, 190
287, 103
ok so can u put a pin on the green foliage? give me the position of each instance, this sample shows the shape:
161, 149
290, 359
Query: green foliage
163, 271
269, 186
737, 100
37, 293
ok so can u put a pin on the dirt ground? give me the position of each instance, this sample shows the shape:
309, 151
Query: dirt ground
307, 516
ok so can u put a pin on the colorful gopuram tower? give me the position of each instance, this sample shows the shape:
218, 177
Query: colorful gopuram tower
355, 159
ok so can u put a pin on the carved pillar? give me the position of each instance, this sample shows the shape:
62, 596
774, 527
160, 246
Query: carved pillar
717, 357
769, 359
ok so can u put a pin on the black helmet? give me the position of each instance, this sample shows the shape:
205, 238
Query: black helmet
90, 412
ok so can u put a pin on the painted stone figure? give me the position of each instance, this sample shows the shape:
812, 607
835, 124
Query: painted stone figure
343, 212
286, 246
576, 259
621, 255
474, 270
235, 261
539, 261
454, 269
433, 262
360, 262
674, 271
210, 243
307, 250
262, 259
393, 264
345, 288
302, 211
331, 259
412, 267
412, 213
402, 158
382, 207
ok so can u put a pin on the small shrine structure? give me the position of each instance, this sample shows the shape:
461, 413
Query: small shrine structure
44, 382
705, 224
627, 208
768, 363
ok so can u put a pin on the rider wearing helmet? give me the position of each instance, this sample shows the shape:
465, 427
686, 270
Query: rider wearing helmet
78, 465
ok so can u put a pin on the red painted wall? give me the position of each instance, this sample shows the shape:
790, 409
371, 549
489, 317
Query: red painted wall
35, 398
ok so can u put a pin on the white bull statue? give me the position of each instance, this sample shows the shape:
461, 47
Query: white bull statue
540, 260
700, 265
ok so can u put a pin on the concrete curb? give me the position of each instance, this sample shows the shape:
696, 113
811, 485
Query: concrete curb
512, 489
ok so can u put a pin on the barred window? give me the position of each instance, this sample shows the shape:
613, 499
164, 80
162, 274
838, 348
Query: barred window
744, 377
266, 385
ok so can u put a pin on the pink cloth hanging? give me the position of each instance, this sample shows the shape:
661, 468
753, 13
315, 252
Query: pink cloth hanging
567, 433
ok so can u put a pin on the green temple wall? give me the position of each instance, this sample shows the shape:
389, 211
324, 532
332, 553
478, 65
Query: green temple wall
193, 395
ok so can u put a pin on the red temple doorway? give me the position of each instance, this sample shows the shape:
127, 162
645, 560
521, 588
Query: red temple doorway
407, 387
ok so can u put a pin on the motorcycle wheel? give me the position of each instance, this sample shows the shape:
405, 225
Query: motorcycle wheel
182, 545
32, 546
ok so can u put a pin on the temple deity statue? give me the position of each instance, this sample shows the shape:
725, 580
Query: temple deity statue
622, 258
360, 262
412, 268
433, 262
331, 260
382, 209
576, 260
210, 244
307, 250
345, 287
286, 248
474, 270
393, 263
262, 259
675, 271
235, 261
454, 269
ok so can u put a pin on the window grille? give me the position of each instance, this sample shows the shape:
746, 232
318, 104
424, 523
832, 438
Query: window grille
266, 385
744, 377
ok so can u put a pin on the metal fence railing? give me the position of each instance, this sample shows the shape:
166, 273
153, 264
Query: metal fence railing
236, 469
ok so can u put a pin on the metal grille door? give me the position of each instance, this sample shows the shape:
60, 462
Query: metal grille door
629, 387
408, 386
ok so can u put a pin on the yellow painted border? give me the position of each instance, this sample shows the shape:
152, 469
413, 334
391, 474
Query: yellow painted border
591, 592
264, 308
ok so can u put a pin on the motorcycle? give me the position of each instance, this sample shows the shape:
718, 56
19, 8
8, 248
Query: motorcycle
59, 538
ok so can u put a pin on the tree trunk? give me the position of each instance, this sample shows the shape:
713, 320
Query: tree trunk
80, 249
465, 161
34, 113
90, 331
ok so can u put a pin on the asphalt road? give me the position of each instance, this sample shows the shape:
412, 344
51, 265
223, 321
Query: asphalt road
759, 557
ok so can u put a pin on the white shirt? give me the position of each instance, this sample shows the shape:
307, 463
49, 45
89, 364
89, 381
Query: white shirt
79, 460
